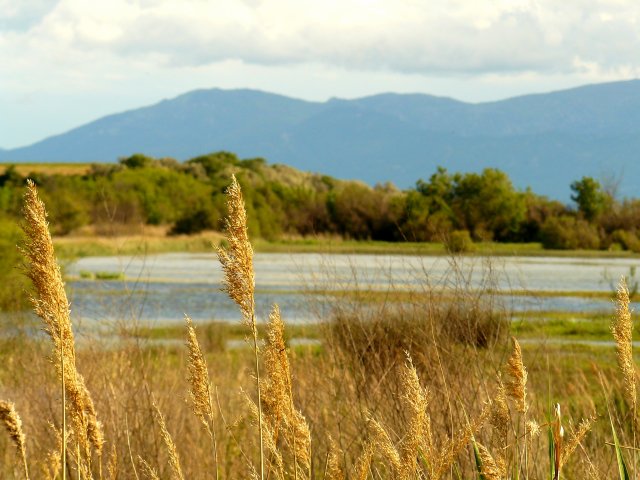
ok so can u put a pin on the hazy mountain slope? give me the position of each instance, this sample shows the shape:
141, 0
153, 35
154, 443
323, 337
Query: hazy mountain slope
544, 141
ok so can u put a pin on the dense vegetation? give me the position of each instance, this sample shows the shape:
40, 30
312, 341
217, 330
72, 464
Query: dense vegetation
281, 201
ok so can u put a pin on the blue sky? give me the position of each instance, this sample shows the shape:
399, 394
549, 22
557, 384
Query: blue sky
70, 61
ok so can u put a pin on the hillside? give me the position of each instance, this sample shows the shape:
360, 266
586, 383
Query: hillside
544, 141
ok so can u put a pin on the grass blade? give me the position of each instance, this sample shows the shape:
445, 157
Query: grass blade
622, 466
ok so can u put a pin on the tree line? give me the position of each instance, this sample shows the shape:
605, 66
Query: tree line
282, 201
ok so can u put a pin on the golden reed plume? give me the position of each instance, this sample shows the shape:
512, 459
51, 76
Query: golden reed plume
200, 388
517, 387
50, 303
622, 329
239, 281
12, 423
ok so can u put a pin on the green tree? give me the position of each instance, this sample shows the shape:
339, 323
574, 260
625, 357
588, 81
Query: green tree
487, 205
589, 197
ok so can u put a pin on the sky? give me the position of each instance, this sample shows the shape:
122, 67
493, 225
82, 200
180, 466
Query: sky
64, 63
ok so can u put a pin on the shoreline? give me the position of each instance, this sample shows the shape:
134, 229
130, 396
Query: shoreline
74, 247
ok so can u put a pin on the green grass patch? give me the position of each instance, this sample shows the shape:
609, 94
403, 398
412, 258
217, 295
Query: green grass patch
563, 325
227, 331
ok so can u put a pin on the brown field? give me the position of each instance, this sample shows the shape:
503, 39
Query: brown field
48, 168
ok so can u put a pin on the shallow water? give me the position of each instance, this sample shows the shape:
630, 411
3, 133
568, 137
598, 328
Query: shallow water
165, 287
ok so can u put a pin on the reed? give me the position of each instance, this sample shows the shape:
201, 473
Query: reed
237, 264
50, 303
200, 389
622, 330
174, 458
12, 423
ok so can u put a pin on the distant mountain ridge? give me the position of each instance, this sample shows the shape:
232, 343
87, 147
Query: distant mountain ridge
544, 141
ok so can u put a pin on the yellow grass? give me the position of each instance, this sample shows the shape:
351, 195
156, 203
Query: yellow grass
25, 169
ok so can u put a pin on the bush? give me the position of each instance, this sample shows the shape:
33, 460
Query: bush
195, 222
568, 233
459, 241
627, 240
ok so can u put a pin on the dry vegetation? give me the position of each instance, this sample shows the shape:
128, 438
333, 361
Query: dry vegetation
435, 389
48, 168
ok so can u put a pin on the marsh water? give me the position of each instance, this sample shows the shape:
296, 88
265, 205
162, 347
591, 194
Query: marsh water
162, 288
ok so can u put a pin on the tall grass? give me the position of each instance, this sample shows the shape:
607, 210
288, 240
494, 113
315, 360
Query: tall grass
431, 391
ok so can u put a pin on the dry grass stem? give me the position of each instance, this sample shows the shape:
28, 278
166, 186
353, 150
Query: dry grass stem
147, 470
455, 444
174, 459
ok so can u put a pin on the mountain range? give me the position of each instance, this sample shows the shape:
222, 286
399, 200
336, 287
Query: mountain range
543, 141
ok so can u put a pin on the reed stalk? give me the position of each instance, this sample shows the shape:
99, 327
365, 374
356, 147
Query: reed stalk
239, 283
200, 391
50, 303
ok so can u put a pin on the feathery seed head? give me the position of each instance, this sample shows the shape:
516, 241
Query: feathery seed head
12, 423
622, 329
50, 303
277, 396
200, 391
576, 438
50, 299
174, 459
500, 418
237, 259
532, 429
517, 387
384, 446
363, 463
147, 470
112, 465
490, 468
334, 470
415, 400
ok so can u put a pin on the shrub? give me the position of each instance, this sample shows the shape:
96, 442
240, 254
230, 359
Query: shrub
196, 221
459, 241
566, 233
627, 240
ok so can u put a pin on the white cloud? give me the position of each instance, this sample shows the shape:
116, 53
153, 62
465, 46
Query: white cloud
422, 36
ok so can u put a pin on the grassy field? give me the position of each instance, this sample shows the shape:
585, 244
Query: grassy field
427, 389
80, 246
